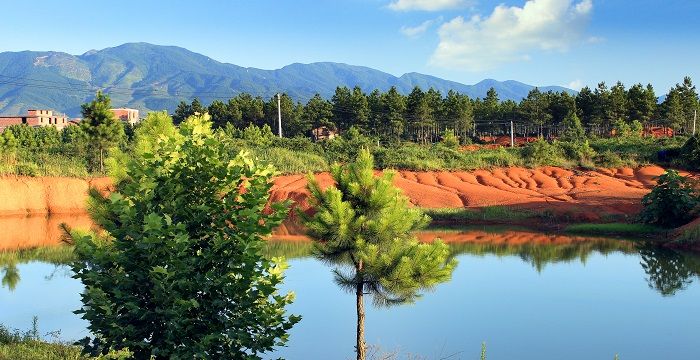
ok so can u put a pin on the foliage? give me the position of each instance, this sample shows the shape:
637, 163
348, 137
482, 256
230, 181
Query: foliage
573, 129
102, 129
672, 202
690, 153
540, 152
178, 270
621, 229
449, 139
364, 226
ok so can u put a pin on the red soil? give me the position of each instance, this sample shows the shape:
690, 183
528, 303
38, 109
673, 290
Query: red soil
585, 194
46, 195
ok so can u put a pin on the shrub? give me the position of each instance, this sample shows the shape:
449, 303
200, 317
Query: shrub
449, 139
580, 151
177, 271
610, 159
690, 153
672, 202
541, 152
573, 129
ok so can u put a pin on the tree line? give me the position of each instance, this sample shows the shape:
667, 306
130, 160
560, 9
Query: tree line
391, 115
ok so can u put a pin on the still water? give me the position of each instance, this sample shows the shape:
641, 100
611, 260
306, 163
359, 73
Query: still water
526, 295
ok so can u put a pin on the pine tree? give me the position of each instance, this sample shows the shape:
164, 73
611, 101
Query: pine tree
364, 226
102, 128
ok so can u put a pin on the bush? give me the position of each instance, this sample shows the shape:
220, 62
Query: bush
177, 270
449, 139
672, 202
579, 151
541, 152
610, 159
690, 153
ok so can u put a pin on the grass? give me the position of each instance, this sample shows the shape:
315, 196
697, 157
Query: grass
615, 229
488, 213
42, 165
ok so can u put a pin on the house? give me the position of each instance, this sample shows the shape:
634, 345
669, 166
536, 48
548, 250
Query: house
323, 133
129, 116
35, 118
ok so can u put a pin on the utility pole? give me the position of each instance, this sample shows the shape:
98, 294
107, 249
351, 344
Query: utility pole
279, 114
695, 119
512, 136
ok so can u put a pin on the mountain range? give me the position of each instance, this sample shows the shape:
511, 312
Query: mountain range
154, 77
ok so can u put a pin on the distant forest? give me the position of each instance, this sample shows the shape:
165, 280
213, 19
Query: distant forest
392, 116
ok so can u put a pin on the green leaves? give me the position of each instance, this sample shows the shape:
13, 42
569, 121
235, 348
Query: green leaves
364, 225
672, 202
178, 272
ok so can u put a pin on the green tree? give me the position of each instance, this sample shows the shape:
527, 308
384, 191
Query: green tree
641, 103
674, 113
585, 105
573, 130
394, 121
458, 113
534, 109
672, 202
419, 112
617, 107
185, 110
364, 226
319, 112
177, 271
225, 113
102, 129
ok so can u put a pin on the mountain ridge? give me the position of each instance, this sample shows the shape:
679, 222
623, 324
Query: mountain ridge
156, 77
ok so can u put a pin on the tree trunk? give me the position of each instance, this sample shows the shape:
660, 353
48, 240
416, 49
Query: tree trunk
361, 348
102, 163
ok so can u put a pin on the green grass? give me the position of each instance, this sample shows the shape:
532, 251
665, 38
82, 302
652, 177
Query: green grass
488, 213
616, 229
42, 165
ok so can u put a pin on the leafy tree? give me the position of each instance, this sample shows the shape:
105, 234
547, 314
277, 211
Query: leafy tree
177, 271
641, 103
674, 113
293, 121
667, 271
534, 109
394, 109
364, 226
185, 110
585, 105
672, 202
449, 139
617, 107
102, 129
601, 113
573, 130
419, 112
458, 113
225, 113
319, 112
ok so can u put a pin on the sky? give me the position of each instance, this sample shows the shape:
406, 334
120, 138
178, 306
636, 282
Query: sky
571, 43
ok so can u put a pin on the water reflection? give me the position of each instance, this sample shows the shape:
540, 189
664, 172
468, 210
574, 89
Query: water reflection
37, 239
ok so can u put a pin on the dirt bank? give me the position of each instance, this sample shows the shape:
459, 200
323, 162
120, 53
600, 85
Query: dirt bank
23, 232
584, 194
588, 194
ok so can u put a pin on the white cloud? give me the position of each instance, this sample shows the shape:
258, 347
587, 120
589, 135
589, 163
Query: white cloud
511, 33
427, 5
575, 85
414, 31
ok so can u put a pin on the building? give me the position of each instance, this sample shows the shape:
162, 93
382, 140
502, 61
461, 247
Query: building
35, 118
323, 133
129, 116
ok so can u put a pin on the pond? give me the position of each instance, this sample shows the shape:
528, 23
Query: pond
527, 295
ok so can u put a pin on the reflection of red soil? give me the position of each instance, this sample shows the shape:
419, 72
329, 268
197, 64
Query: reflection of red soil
508, 237
19, 232
46, 195
582, 194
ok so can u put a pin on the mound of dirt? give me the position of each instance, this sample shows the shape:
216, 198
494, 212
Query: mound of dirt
46, 195
588, 194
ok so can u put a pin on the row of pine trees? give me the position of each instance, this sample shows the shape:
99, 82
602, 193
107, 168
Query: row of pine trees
391, 114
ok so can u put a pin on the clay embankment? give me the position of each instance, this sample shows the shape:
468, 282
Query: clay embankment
585, 193
46, 195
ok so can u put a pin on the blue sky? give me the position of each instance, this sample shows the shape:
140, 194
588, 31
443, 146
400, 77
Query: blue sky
540, 42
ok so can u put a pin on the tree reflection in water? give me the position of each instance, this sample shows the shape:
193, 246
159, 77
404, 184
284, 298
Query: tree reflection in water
667, 271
